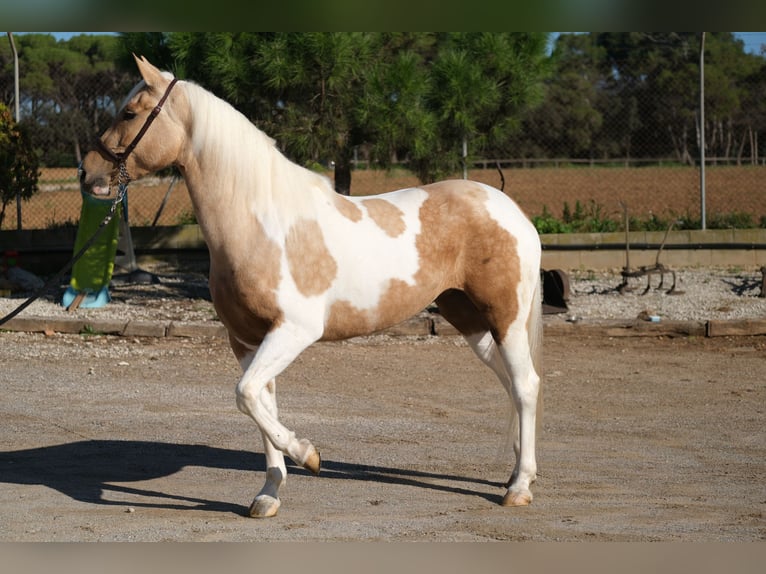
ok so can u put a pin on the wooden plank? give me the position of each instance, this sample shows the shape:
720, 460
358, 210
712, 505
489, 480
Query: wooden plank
736, 328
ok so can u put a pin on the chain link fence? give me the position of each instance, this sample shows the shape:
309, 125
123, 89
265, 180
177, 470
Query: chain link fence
592, 145
153, 201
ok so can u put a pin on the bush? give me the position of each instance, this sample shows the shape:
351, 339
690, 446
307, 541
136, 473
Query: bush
592, 220
18, 162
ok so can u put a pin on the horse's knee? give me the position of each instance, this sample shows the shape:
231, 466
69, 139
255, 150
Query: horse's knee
246, 402
247, 396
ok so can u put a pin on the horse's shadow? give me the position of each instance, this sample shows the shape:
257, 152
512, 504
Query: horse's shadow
87, 470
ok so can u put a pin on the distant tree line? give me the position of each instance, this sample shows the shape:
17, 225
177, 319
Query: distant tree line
636, 95
431, 101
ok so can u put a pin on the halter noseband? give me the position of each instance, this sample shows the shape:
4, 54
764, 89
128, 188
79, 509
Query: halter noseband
120, 158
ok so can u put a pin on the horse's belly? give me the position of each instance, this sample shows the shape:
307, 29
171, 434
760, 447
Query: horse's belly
398, 302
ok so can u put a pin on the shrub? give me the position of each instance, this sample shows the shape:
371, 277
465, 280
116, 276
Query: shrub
593, 220
18, 162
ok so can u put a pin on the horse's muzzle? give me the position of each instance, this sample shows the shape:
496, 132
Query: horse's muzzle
99, 187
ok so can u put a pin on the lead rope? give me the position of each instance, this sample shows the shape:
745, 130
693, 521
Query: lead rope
123, 179
122, 188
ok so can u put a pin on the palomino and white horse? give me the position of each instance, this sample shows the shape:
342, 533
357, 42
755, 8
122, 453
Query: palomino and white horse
292, 262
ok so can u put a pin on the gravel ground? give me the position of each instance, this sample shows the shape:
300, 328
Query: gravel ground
701, 294
138, 438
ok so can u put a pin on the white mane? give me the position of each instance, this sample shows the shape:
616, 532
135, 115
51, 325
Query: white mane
225, 137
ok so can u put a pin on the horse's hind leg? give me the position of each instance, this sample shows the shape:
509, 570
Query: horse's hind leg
460, 311
516, 352
512, 362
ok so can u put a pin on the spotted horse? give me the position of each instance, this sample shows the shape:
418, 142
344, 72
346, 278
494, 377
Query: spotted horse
292, 262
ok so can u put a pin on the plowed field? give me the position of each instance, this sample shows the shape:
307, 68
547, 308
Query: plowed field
663, 191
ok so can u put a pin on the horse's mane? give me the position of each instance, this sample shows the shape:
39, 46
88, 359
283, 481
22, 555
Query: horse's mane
233, 145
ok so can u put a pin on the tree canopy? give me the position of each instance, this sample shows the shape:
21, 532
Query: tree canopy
69, 90
636, 95
417, 99
326, 96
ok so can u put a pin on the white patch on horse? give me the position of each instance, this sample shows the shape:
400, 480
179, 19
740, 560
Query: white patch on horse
374, 256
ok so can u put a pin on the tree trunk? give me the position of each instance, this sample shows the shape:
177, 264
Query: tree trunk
77, 150
343, 173
741, 149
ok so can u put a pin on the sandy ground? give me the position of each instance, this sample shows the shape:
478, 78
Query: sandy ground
139, 439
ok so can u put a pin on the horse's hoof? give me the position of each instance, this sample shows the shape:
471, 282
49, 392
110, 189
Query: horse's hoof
264, 506
517, 498
313, 462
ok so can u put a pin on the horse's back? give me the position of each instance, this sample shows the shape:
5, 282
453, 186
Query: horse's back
449, 235
468, 198
469, 210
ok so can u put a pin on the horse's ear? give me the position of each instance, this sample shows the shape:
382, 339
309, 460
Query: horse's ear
151, 75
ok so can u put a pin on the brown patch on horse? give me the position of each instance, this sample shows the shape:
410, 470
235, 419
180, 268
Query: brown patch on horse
244, 293
345, 321
312, 267
386, 216
487, 265
468, 263
459, 310
348, 209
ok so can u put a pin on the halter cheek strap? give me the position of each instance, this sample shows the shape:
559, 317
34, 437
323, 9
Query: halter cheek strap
121, 157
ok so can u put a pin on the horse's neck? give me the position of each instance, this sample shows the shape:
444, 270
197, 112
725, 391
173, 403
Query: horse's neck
234, 193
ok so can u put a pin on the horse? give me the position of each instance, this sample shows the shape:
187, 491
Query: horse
292, 262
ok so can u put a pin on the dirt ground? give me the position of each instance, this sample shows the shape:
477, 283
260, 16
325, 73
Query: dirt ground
120, 439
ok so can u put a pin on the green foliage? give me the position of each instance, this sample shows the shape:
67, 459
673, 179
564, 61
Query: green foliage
186, 218
18, 162
733, 220
89, 330
414, 98
480, 84
651, 223
648, 85
70, 91
547, 223
591, 219
583, 220
407, 96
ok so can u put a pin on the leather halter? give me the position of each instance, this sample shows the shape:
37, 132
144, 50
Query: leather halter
119, 158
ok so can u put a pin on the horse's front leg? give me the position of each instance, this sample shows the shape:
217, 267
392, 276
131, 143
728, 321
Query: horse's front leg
267, 501
256, 397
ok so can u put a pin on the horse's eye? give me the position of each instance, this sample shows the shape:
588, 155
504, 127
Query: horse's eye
128, 114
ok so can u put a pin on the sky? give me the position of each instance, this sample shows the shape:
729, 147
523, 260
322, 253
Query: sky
753, 41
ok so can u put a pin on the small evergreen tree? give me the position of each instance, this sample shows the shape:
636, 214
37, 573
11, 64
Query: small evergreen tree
18, 162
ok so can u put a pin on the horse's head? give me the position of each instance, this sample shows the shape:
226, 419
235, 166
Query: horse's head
145, 137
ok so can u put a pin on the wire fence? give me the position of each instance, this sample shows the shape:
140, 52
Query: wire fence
594, 141
660, 189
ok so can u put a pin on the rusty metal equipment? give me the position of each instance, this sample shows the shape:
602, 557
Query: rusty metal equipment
645, 271
555, 291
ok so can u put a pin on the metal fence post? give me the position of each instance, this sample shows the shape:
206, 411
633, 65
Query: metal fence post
703, 222
18, 115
